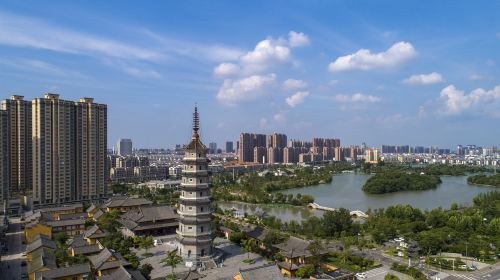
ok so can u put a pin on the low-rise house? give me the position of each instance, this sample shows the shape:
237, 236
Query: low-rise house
42, 259
39, 241
107, 261
85, 250
268, 272
258, 235
125, 203
60, 210
122, 274
150, 220
97, 215
296, 252
35, 228
74, 272
70, 227
94, 234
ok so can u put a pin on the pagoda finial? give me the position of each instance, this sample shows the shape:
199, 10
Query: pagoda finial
196, 122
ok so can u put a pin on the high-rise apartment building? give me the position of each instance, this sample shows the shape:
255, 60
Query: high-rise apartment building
247, 143
4, 156
260, 155
278, 140
19, 117
229, 147
124, 147
371, 155
195, 232
91, 149
69, 150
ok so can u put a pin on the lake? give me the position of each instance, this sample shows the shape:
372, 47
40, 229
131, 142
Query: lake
345, 191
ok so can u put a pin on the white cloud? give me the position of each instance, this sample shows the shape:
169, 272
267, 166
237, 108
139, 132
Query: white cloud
226, 69
478, 100
298, 39
40, 66
266, 54
33, 33
297, 98
424, 79
250, 88
356, 98
294, 84
366, 60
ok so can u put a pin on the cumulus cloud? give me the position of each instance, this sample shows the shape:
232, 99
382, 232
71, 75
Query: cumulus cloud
424, 79
298, 39
356, 98
479, 100
266, 54
226, 69
297, 98
250, 88
366, 60
294, 84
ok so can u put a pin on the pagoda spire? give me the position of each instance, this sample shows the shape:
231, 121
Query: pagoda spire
196, 123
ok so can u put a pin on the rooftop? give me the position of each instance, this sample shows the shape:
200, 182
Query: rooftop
63, 272
268, 272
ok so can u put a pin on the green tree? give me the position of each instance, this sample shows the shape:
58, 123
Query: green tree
305, 271
391, 277
247, 246
61, 239
146, 243
172, 260
146, 270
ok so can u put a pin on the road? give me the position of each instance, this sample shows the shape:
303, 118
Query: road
491, 272
10, 267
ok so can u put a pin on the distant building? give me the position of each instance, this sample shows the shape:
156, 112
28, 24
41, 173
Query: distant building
212, 148
247, 144
260, 155
124, 147
371, 155
229, 147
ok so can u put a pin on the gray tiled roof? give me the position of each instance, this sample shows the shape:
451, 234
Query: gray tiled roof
41, 258
123, 274
63, 272
87, 249
267, 272
258, 233
295, 247
101, 260
60, 223
94, 232
77, 241
73, 216
126, 201
40, 241
158, 215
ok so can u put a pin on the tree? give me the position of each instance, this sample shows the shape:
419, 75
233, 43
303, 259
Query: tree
172, 260
146, 243
61, 239
391, 277
247, 246
315, 249
305, 271
146, 270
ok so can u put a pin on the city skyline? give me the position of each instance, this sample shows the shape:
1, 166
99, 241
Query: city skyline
364, 72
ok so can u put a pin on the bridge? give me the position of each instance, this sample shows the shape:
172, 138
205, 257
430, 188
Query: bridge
354, 213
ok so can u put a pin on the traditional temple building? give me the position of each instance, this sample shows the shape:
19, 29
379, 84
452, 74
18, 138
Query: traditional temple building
195, 232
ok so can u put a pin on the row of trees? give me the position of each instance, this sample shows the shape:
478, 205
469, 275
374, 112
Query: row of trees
438, 230
429, 169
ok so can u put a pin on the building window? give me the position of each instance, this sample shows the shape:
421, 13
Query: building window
190, 208
201, 229
189, 253
202, 252
201, 209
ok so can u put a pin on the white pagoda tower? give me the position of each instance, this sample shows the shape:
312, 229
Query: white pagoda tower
195, 232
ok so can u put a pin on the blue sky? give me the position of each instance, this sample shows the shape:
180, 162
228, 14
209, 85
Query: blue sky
422, 73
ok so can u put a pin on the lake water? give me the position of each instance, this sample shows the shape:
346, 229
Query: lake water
345, 191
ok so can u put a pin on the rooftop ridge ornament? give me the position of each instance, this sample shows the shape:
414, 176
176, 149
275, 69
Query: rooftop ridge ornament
196, 123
